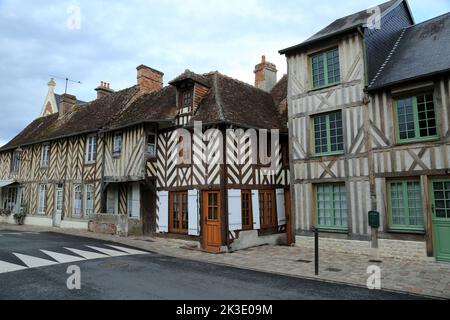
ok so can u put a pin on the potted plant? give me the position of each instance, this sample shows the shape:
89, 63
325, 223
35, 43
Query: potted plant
21, 215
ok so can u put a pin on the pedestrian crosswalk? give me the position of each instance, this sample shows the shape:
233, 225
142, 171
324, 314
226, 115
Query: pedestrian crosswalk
73, 255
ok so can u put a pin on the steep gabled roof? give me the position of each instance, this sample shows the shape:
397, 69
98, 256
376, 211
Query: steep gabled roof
344, 25
422, 50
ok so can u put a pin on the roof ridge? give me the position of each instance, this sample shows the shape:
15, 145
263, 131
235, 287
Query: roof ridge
388, 58
429, 20
243, 82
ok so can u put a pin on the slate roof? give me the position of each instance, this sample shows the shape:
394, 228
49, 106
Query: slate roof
228, 101
343, 25
423, 50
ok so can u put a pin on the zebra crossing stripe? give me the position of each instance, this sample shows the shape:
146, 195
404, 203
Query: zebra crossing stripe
111, 253
87, 254
62, 258
128, 250
9, 267
33, 262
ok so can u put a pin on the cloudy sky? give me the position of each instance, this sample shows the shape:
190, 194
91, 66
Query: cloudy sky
43, 38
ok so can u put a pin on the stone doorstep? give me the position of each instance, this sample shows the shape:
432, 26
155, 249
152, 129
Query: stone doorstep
173, 248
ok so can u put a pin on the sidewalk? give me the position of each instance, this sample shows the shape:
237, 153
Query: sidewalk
416, 277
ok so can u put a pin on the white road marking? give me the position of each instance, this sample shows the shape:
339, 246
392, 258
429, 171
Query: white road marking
33, 262
9, 267
111, 253
88, 254
62, 258
128, 250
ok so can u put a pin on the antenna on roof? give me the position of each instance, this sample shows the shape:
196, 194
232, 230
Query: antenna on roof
67, 81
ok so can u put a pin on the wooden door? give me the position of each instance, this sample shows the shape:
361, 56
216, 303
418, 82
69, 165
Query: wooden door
212, 233
441, 219
59, 199
289, 235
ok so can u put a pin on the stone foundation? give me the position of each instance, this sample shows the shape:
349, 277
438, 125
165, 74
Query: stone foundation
399, 249
248, 239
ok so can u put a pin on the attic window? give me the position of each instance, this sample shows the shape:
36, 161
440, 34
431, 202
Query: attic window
186, 101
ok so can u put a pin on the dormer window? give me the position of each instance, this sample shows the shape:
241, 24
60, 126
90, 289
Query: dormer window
186, 102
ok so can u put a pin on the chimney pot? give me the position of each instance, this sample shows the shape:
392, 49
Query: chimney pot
103, 90
149, 79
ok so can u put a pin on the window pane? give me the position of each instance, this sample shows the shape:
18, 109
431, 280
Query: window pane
426, 116
333, 66
405, 118
331, 205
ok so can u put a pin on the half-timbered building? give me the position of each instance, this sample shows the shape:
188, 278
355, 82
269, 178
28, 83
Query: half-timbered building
369, 109
162, 160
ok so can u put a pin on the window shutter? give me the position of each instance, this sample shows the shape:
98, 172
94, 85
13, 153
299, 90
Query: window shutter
281, 212
193, 212
163, 213
136, 211
255, 205
234, 210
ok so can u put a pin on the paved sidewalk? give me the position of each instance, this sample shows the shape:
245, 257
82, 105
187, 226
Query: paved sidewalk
416, 277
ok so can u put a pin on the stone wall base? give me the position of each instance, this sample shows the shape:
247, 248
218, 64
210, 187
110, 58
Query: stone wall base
400, 249
248, 239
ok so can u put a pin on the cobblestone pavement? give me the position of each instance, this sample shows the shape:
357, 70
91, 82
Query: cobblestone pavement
416, 277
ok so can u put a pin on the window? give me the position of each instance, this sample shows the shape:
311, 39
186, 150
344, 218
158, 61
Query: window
117, 144
15, 162
9, 198
331, 203
325, 68
59, 197
134, 201
42, 203
328, 134
77, 200
441, 194
267, 209
416, 118
406, 205
89, 200
213, 206
247, 214
186, 102
179, 218
151, 145
91, 149
45, 155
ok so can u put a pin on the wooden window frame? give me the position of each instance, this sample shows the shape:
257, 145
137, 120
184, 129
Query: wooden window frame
324, 55
88, 210
416, 121
190, 107
407, 226
332, 226
180, 195
329, 144
117, 144
249, 208
91, 149
45, 155
268, 225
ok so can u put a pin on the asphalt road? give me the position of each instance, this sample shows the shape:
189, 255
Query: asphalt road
143, 276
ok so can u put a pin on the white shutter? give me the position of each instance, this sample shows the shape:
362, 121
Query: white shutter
163, 213
234, 210
255, 207
136, 209
281, 213
193, 212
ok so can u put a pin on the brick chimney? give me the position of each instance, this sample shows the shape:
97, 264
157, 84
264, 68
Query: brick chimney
67, 102
265, 75
149, 79
103, 90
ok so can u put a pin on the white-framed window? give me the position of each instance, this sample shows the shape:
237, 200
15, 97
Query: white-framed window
117, 143
45, 155
77, 200
15, 162
91, 149
89, 199
59, 197
42, 203
9, 198
151, 144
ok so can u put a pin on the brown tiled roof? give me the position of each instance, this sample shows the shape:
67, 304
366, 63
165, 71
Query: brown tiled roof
228, 101
279, 94
89, 117
188, 74
235, 102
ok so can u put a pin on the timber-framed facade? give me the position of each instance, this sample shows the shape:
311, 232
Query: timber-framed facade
368, 112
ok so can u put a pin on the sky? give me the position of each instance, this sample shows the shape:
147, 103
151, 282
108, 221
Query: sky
93, 41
